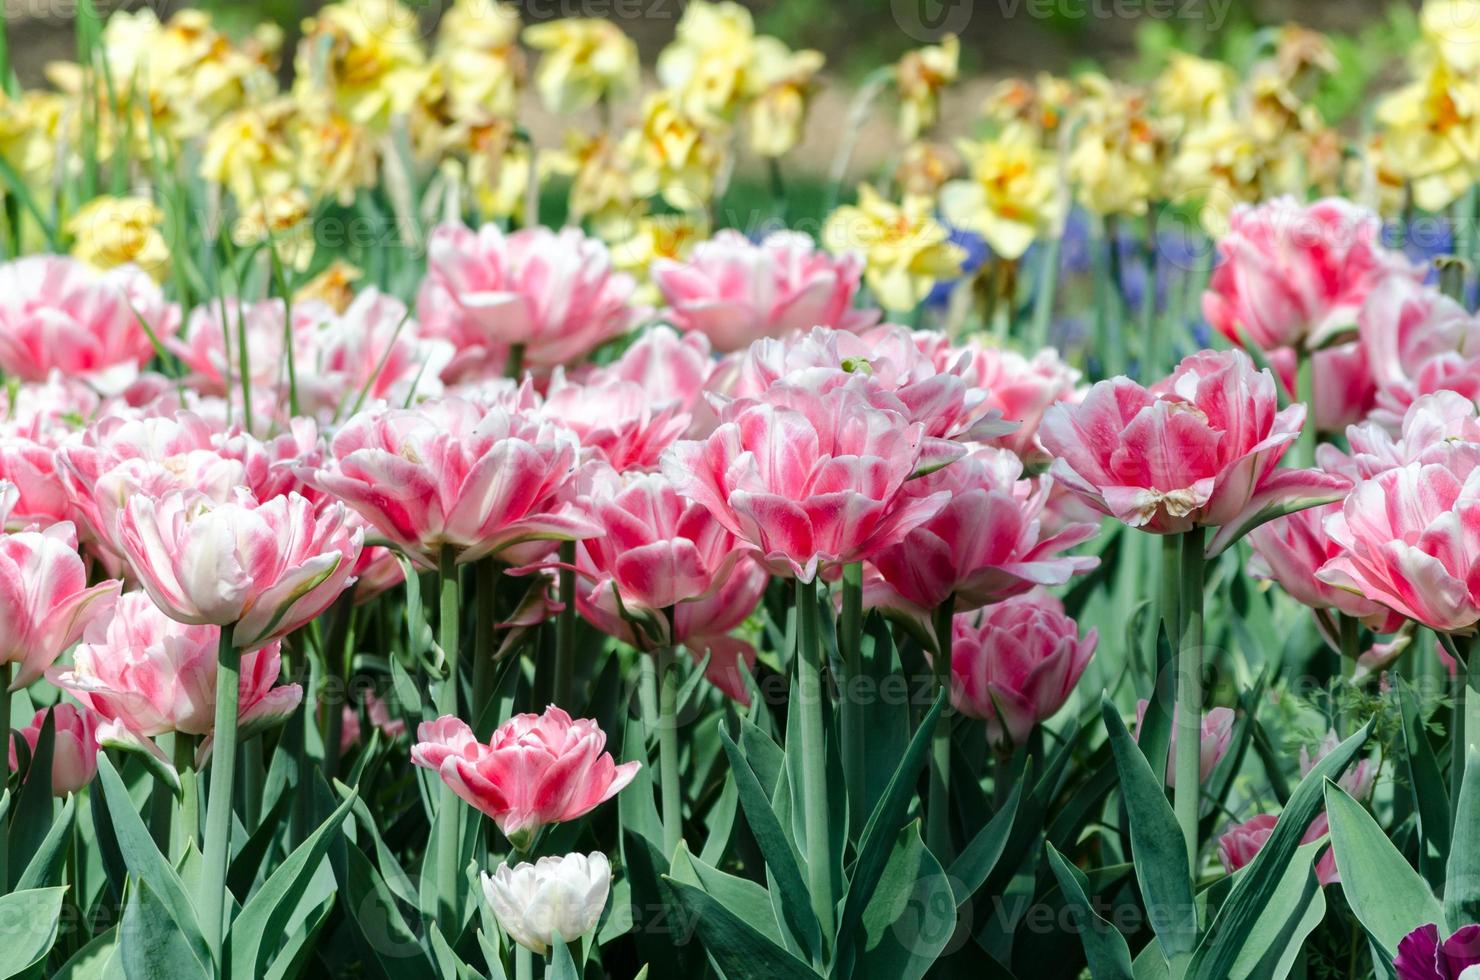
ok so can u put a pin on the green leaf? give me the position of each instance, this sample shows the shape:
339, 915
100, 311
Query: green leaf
258, 929
372, 906
1279, 934
782, 860
145, 862
1389, 898
47, 862
1260, 880
976, 862
34, 803
562, 966
910, 917
150, 942
1462, 873
1425, 783
740, 895
1157, 846
1104, 947
91, 961
879, 843
31, 918
736, 947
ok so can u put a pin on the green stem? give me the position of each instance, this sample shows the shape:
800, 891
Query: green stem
337, 670
212, 900
449, 813
5, 698
938, 826
485, 577
514, 366
186, 825
1466, 715
850, 645
1048, 274
1171, 588
647, 695
1304, 454
1188, 717
252, 775
565, 628
815, 817
523, 964
1347, 628
668, 773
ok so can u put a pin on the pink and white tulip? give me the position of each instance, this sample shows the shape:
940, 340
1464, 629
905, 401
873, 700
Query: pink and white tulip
535, 770
263, 568
1217, 733
1014, 664
615, 419
74, 749
736, 292
155, 675
1200, 449
1240, 843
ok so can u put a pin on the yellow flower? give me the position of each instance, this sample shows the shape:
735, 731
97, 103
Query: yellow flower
635, 244
672, 154
498, 170
919, 77
250, 151
30, 126
585, 60
707, 62
335, 155
114, 231
1011, 194
283, 220
1431, 135
480, 65
1451, 29
1042, 103
368, 54
905, 249
333, 286
1115, 164
600, 185
1192, 91
780, 81
925, 168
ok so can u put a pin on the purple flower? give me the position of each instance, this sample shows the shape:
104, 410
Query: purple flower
1421, 956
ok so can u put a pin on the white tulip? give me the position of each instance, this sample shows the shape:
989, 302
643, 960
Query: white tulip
554, 897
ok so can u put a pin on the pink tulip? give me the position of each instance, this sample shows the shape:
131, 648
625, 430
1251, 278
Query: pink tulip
1217, 732
74, 749
210, 345
1200, 449
45, 603
449, 473
665, 572
984, 545
1409, 538
1359, 778
58, 314
535, 770
155, 675
265, 568
1404, 324
379, 716
1428, 423
670, 368
735, 292
1444, 372
1342, 389
31, 468
552, 293
808, 480
616, 419
1290, 550
1020, 388
1239, 845
1293, 275
1014, 664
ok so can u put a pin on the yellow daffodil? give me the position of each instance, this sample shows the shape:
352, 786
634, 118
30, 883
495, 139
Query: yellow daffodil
925, 168
905, 249
30, 127
919, 77
673, 154
666, 236
1193, 91
479, 61
1431, 135
281, 219
780, 82
584, 61
368, 54
1117, 158
250, 151
600, 185
335, 155
1011, 193
1451, 34
706, 64
112, 231
1042, 103
334, 285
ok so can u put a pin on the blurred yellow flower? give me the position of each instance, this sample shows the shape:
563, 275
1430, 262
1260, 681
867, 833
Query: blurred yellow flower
673, 154
925, 168
283, 220
478, 59
30, 128
600, 182
334, 285
498, 170
1451, 30
368, 54
335, 155
779, 81
250, 151
919, 77
585, 60
112, 231
1117, 157
905, 249
705, 66
1011, 193
1193, 91
1431, 135
666, 236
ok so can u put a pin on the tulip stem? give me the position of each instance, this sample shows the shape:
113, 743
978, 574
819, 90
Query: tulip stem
218, 802
565, 628
815, 817
523, 963
938, 826
449, 813
1171, 594
1305, 382
1188, 717
5, 698
186, 824
668, 772
485, 577
850, 645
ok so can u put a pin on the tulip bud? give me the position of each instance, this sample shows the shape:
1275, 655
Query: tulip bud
556, 899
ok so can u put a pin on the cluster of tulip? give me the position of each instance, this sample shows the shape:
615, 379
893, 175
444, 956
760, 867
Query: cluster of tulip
638, 596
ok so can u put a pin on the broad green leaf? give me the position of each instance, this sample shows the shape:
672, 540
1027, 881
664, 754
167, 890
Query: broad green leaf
910, 917
562, 966
1157, 846
976, 861
91, 961
1389, 898
47, 862
372, 905
31, 918
1283, 925
740, 895
150, 942
1426, 783
1260, 880
1104, 947
34, 802
734, 945
1462, 873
